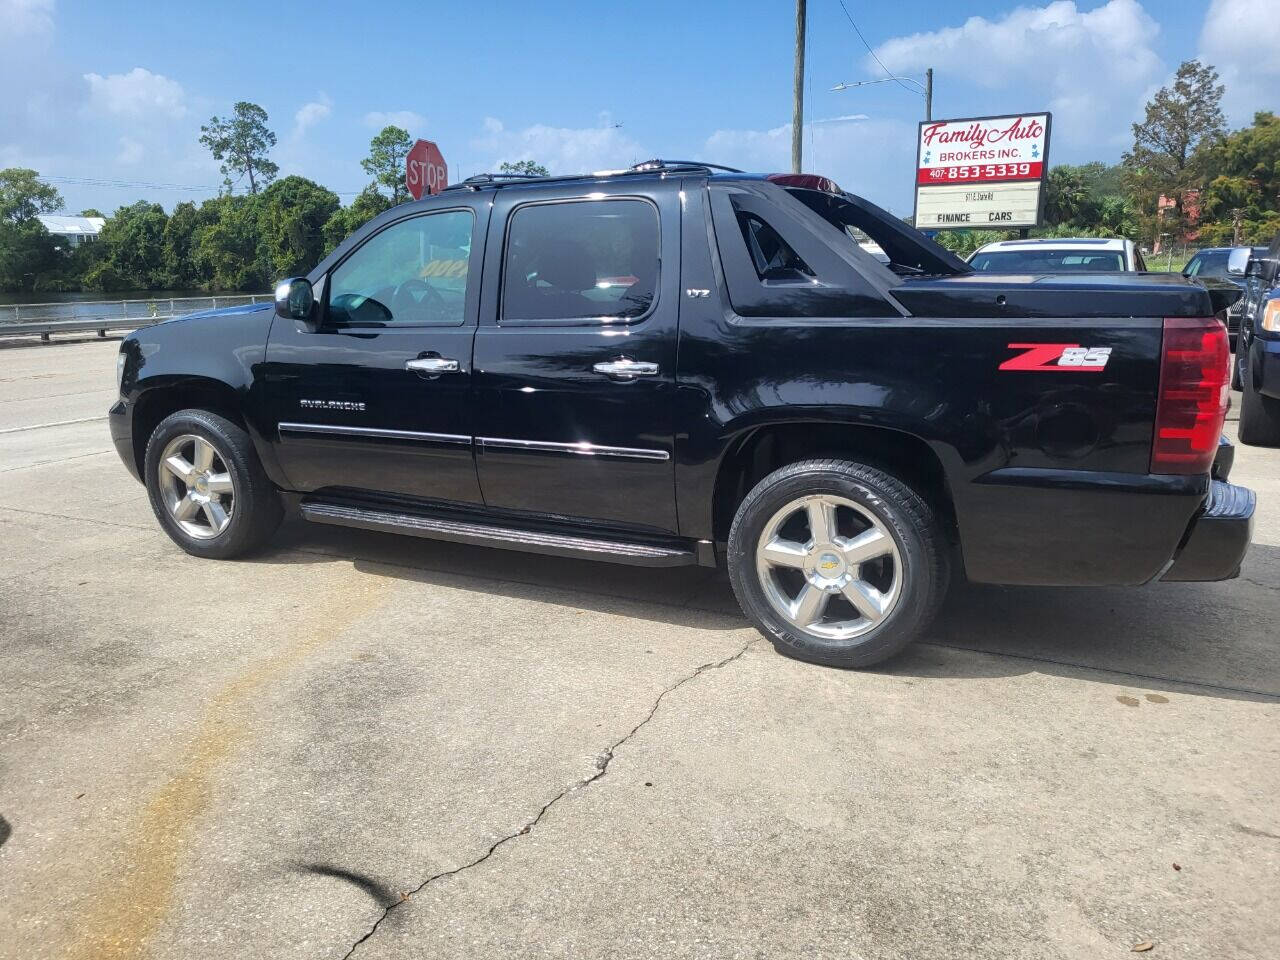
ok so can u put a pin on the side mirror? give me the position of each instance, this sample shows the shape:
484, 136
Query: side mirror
1238, 261
295, 299
1254, 269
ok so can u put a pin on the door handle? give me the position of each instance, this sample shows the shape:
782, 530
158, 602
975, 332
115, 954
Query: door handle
625, 368
432, 366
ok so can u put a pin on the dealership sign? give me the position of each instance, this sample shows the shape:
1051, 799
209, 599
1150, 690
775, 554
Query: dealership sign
986, 172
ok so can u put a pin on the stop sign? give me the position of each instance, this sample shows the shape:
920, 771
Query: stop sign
425, 170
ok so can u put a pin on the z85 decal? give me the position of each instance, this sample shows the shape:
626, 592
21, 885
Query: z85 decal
1052, 357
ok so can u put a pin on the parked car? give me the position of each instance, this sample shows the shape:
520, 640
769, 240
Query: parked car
1256, 371
1058, 255
1216, 263
748, 389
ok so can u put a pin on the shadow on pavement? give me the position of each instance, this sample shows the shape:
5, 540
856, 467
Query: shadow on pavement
381, 895
1217, 637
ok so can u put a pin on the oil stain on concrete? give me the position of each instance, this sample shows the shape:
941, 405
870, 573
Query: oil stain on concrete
130, 907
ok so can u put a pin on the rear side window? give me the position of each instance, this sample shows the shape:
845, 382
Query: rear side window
777, 266
772, 256
581, 260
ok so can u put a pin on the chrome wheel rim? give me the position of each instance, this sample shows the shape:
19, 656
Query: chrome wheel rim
196, 486
829, 567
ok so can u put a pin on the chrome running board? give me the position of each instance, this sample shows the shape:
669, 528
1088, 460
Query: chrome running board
504, 537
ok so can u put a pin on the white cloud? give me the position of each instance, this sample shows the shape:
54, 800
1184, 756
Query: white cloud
26, 20
872, 158
1092, 68
560, 149
137, 93
131, 151
415, 123
309, 114
1241, 38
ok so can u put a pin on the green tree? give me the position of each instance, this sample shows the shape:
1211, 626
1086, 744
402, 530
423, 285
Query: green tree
1067, 199
1103, 179
91, 212
178, 262
23, 195
240, 143
1167, 154
132, 250
526, 167
1246, 168
27, 254
1117, 217
386, 159
225, 253
352, 217
292, 214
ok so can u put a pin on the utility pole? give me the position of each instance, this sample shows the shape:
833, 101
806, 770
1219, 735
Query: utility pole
797, 110
928, 94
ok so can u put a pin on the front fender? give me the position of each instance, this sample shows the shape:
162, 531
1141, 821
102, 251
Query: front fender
203, 360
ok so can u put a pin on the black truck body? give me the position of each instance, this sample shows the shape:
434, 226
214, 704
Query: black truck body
1051, 423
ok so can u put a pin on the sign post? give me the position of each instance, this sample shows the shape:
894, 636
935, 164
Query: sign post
425, 171
982, 173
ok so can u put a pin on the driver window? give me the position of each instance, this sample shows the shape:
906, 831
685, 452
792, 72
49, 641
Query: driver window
413, 273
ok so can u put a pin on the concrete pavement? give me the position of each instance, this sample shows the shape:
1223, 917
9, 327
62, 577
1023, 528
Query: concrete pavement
357, 744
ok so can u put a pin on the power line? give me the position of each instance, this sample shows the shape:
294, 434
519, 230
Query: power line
887, 72
140, 184
151, 185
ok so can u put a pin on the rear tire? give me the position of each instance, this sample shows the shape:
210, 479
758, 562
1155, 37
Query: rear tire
857, 591
1259, 416
207, 486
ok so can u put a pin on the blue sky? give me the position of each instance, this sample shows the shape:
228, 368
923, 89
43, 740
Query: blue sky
115, 91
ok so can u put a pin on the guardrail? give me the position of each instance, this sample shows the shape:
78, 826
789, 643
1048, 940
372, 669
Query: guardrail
77, 316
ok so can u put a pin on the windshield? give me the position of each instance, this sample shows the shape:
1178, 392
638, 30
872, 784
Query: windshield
1047, 261
1208, 263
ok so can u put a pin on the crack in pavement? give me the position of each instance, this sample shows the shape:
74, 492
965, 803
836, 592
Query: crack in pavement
45, 463
63, 516
602, 767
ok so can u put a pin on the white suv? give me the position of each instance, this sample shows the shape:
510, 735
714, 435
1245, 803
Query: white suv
1058, 255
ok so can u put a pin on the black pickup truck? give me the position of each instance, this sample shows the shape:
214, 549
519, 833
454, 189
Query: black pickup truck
682, 364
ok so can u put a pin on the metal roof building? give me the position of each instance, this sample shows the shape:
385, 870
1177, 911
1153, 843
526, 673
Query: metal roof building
75, 230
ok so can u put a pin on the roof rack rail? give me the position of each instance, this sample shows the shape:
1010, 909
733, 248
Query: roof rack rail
486, 178
479, 180
658, 164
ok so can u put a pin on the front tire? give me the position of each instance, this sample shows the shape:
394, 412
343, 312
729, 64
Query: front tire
207, 486
837, 562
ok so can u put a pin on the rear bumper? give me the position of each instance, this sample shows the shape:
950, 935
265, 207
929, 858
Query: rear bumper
1216, 541
1049, 527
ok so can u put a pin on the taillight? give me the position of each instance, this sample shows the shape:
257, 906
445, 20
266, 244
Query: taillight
1194, 390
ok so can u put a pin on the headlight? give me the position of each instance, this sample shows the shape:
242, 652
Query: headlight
1271, 316
120, 361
